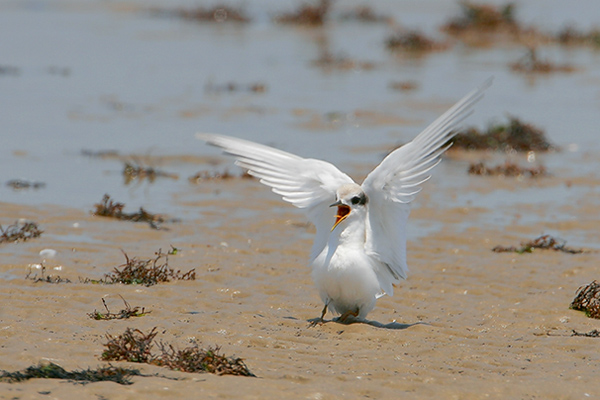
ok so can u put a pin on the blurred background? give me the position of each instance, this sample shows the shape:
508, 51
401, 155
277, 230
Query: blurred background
105, 96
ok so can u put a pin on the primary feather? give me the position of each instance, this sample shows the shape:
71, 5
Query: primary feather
364, 254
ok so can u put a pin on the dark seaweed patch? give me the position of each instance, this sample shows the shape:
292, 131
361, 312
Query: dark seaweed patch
145, 272
412, 41
587, 299
570, 36
365, 14
232, 87
307, 14
592, 333
203, 176
483, 17
531, 63
54, 371
112, 209
506, 169
135, 171
19, 232
328, 61
544, 242
19, 184
218, 13
136, 346
513, 136
125, 313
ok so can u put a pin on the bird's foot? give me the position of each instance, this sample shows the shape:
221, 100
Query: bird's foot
348, 317
319, 321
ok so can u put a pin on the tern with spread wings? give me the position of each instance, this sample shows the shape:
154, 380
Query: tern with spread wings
359, 251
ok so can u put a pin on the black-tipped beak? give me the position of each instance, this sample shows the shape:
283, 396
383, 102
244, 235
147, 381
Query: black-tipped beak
337, 203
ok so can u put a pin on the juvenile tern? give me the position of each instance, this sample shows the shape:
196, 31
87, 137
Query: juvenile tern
359, 252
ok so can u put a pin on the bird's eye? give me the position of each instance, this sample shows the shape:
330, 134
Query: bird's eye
356, 200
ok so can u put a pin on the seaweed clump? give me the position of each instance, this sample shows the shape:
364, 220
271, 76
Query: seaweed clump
203, 176
147, 272
307, 14
506, 169
513, 136
136, 346
19, 184
483, 17
569, 36
592, 333
365, 14
134, 171
19, 232
125, 313
587, 299
218, 13
54, 371
531, 63
544, 242
329, 61
413, 42
112, 209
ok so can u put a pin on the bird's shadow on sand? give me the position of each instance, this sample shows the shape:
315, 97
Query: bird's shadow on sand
392, 325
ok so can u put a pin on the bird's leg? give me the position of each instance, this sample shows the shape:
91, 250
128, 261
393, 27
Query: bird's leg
321, 320
347, 314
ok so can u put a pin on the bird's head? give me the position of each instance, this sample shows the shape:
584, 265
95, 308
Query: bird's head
349, 197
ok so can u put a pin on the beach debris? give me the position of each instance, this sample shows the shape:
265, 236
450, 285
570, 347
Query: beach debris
147, 272
544, 242
530, 63
307, 14
365, 14
135, 171
413, 41
587, 299
506, 169
592, 333
328, 61
43, 277
570, 36
112, 209
217, 13
512, 136
216, 175
136, 346
133, 346
483, 17
126, 313
55, 371
231, 87
20, 231
19, 184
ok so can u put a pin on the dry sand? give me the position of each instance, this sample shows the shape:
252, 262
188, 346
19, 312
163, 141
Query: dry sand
469, 323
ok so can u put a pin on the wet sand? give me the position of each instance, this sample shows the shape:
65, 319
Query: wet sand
468, 323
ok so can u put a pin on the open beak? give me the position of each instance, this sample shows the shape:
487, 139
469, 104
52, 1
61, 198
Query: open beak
342, 212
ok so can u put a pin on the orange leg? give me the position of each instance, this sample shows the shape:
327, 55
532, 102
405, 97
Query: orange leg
347, 314
321, 320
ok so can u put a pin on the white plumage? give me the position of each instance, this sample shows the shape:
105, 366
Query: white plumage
364, 254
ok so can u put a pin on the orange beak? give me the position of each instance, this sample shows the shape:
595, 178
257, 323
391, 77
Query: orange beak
342, 212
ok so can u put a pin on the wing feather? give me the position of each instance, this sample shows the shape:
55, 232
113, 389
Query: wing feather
307, 183
392, 185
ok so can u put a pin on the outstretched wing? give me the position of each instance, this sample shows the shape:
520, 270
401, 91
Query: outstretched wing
393, 184
306, 183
